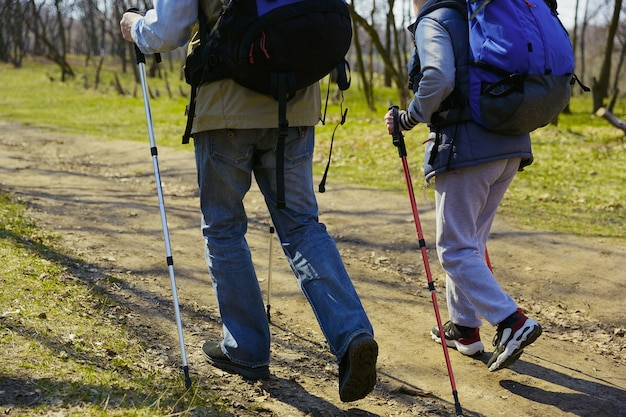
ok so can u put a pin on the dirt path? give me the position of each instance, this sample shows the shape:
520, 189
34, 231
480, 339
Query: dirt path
100, 197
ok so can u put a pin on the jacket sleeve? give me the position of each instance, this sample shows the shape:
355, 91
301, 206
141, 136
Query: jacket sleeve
165, 27
436, 55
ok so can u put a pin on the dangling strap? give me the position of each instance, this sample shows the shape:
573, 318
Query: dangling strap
343, 83
191, 112
322, 186
191, 108
284, 88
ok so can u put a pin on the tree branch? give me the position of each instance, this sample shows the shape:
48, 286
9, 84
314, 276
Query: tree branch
603, 112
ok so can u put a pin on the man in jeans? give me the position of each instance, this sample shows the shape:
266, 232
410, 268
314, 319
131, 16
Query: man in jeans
234, 132
473, 168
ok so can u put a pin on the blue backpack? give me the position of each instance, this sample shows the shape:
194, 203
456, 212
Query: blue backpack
521, 64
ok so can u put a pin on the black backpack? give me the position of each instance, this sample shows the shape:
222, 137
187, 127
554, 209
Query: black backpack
274, 47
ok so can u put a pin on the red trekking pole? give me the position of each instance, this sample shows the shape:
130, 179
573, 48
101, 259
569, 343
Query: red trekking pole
488, 260
398, 141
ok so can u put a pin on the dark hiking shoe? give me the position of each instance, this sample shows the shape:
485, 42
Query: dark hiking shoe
357, 369
514, 333
464, 339
213, 353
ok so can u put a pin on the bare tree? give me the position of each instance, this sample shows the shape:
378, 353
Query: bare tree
366, 82
385, 55
48, 26
370, 58
587, 30
13, 33
618, 69
93, 23
395, 48
365, 75
601, 83
390, 32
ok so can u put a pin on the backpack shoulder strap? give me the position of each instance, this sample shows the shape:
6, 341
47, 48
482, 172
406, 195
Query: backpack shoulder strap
433, 5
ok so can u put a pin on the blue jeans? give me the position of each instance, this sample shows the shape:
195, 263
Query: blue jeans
225, 162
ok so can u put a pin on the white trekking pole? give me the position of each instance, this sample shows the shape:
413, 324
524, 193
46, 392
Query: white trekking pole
141, 61
269, 273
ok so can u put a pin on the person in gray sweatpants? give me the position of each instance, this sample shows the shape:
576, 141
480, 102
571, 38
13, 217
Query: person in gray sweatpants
472, 168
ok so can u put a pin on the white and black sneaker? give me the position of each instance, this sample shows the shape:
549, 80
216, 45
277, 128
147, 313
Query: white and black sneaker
514, 333
464, 339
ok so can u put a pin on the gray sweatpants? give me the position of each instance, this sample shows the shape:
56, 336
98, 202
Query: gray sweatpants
466, 203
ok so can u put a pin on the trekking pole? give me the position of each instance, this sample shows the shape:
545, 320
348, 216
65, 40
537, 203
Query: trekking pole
488, 260
141, 61
398, 141
269, 273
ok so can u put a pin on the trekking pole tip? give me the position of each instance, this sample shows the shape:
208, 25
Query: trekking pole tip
457, 403
187, 377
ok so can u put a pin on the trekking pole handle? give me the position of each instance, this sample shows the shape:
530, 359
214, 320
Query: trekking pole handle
397, 137
140, 56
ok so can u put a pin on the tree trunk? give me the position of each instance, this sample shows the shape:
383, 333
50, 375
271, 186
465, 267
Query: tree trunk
367, 87
600, 88
389, 34
383, 53
602, 112
55, 44
618, 73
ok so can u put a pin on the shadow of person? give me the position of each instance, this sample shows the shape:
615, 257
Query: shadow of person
570, 391
575, 403
406, 392
584, 395
293, 394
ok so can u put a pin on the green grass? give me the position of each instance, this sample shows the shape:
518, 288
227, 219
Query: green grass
35, 96
575, 184
64, 345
